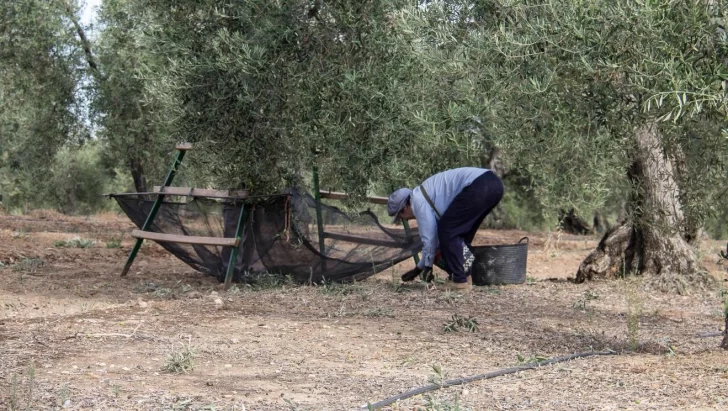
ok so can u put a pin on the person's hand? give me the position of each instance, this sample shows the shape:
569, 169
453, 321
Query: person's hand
426, 274
411, 274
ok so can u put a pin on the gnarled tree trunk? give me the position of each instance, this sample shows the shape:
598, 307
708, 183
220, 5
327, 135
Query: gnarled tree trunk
650, 241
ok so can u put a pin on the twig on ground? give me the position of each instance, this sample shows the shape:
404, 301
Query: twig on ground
133, 334
71, 337
715, 334
35, 338
459, 381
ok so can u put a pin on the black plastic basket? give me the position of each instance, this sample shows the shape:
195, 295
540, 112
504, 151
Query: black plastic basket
500, 264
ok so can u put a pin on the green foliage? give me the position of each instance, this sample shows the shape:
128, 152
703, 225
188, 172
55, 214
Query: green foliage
437, 404
29, 265
583, 301
534, 359
568, 83
180, 360
39, 105
259, 86
21, 398
519, 209
115, 242
379, 312
78, 179
458, 322
63, 395
385, 92
133, 137
634, 312
75, 242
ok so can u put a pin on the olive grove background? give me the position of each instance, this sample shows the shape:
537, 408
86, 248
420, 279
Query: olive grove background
601, 116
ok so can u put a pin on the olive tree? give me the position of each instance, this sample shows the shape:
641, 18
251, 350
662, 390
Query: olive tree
593, 96
266, 90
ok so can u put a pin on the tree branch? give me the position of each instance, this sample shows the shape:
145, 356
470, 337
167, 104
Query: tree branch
85, 43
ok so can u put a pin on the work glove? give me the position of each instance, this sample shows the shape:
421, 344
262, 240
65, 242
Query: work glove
411, 274
426, 274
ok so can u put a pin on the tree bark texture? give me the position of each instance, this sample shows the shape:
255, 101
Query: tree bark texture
651, 241
137, 175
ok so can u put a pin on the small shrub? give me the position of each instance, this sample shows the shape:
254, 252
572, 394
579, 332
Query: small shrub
63, 395
451, 296
180, 360
634, 311
115, 242
438, 375
266, 281
435, 404
457, 322
21, 398
379, 312
530, 360
29, 265
337, 289
583, 301
75, 242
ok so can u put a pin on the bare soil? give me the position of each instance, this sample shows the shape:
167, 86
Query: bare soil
75, 335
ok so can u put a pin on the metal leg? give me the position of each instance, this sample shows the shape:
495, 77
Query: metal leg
155, 209
234, 251
319, 218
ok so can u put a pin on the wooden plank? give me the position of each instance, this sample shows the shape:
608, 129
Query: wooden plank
364, 240
185, 239
201, 192
183, 146
335, 195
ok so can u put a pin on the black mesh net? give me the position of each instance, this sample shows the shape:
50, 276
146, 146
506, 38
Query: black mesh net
280, 236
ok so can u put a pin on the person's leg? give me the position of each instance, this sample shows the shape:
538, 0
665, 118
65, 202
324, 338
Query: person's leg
462, 219
490, 183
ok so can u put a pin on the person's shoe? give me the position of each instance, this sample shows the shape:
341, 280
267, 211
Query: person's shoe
457, 287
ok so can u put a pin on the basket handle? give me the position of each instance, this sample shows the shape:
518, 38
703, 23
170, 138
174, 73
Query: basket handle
521, 240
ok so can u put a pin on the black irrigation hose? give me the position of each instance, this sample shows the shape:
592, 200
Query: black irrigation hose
715, 334
459, 381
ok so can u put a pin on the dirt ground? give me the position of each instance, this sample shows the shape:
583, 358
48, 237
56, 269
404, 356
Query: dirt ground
74, 335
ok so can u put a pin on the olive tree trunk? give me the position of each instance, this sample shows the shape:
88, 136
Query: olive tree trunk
650, 240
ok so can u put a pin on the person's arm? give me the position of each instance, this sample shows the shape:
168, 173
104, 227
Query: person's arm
427, 228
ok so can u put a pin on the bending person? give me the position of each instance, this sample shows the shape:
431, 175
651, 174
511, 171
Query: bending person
449, 207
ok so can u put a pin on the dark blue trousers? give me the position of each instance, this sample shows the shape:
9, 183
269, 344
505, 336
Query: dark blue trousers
457, 227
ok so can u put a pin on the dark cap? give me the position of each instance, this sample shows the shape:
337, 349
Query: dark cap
397, 201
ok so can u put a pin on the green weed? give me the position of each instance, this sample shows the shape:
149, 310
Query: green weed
457, 322
75, 242
180, 360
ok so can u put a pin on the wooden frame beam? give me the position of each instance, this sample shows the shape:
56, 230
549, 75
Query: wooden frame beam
335, 195
185, 239
362, 240
201, 192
